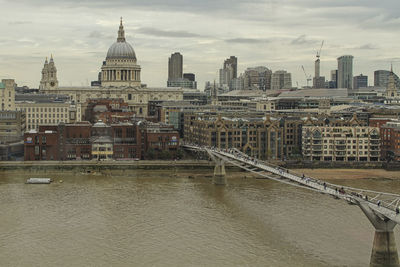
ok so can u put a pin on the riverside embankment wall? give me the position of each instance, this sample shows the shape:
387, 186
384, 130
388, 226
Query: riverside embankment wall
107, 165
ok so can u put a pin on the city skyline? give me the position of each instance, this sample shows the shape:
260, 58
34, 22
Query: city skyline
267, 33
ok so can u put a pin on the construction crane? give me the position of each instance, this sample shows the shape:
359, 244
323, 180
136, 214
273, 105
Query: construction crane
319, 52
308, 77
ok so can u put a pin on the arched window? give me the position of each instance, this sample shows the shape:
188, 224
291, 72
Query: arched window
317, 134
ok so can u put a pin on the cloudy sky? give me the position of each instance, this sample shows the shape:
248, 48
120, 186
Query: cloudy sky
279, 34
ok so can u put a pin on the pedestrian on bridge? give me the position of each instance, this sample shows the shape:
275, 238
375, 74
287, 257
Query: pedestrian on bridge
324, 186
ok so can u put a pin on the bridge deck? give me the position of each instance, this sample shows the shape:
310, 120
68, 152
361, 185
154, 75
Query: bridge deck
383, 204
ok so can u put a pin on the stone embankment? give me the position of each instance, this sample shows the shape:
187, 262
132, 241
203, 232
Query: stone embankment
115, 165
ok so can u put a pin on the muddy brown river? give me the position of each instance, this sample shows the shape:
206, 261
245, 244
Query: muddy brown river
164, 218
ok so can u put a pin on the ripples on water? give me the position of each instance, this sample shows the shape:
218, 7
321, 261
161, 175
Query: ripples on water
150, 218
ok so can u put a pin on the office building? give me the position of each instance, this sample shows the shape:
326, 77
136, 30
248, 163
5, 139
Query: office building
258, 78
381, 78
360, 81
345, 72
281, 80
228, 72
190, 76
12, 126
175, 66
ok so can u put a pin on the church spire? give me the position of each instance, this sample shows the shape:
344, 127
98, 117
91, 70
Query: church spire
51, 58
121, 33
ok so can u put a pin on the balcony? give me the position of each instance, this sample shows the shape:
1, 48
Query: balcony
340, 147
317, 148
340, 142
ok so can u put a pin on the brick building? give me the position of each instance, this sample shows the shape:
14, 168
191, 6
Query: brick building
160, 139
390, 137
100, 141
107, 110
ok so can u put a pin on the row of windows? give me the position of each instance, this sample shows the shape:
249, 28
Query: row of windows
348, 147
45, 115
45, 121
45, 109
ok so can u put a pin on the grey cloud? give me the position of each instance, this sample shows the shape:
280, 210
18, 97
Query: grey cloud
21, 22
367, 47
166, 33
302, 40
248, 40
176, 5
96, 35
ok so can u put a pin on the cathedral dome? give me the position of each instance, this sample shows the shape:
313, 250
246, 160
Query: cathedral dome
121, 49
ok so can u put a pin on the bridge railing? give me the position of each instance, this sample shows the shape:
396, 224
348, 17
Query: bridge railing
388, 200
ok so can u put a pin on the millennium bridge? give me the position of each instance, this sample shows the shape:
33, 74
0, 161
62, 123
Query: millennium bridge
382, 209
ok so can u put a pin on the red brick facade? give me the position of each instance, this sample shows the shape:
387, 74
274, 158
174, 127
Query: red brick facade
81, 141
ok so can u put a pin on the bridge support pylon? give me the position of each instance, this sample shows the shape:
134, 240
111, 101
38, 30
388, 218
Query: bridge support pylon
384, 249
219, 172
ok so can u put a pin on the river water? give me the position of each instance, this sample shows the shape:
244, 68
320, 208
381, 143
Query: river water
157, 218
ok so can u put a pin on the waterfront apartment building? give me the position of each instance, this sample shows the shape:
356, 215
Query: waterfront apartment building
341, 143
345, 72
263, 137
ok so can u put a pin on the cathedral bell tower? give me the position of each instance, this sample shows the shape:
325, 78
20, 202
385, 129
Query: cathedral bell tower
391, 90
49, 76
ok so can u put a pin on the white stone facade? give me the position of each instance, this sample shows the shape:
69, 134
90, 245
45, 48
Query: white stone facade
52, 113
120, 78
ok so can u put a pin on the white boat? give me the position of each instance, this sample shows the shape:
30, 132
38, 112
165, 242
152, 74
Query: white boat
38, 181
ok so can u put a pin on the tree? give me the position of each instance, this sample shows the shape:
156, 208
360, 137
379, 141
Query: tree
180, 153
165, 154
150, 154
